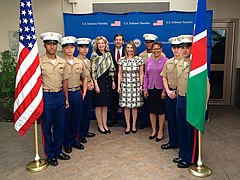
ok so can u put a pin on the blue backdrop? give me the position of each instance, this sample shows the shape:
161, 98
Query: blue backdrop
134, 25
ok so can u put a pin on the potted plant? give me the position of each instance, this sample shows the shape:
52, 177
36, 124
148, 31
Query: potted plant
7, 84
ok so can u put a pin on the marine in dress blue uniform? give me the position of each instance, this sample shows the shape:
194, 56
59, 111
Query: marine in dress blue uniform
77, 71
187, 134
169, 75
55, 96
83, 44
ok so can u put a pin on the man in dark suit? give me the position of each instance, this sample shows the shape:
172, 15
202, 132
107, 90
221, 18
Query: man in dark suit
117, 52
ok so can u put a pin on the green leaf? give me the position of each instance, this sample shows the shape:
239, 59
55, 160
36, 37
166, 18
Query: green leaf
7, 79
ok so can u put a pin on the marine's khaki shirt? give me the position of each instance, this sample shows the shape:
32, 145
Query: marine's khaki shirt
144, 56
53, 75
182, 75
77, 71
170, 73
88, 67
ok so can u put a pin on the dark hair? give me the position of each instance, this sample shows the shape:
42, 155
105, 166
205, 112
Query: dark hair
119, 34
157, 43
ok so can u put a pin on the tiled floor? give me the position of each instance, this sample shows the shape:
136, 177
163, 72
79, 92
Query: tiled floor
117, 156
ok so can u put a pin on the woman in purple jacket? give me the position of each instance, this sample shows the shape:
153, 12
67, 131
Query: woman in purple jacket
154, 90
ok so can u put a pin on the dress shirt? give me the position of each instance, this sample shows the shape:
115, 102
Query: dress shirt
116, 52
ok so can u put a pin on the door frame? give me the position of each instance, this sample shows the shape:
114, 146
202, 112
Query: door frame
231, 69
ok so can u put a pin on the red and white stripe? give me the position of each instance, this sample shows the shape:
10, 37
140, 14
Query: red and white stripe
28, 104
200, 65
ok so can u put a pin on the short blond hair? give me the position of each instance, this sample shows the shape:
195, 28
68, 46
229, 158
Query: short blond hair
95, 47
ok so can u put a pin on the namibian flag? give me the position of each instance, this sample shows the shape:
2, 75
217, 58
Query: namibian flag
197, 82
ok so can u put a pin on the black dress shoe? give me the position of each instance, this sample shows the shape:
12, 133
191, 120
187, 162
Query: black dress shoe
68, 149
168, 146
183, 164
102, 132
177, 160
82, 140
89, 134
141, 126
111, 123
152, 137
53, 162
63, 156
127, 132
78, 146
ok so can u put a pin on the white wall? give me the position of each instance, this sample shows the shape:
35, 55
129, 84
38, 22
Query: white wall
79, 7
9, 21
180, 5
47, 14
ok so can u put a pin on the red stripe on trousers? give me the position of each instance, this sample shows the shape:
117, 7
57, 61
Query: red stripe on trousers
194, 145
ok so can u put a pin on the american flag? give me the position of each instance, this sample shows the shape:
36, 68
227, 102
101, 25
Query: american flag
158, 23
116, 23
28, 104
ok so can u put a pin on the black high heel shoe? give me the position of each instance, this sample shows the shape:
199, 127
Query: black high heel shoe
102, 132
159, 139
107, 130
134, 131
127, 132
152, 137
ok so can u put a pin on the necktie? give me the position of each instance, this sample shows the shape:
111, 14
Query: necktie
118, 55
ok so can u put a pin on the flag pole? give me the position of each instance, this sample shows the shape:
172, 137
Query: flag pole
199, 170
38, 164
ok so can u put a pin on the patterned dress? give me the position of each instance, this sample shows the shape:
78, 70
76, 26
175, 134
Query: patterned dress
130, 96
